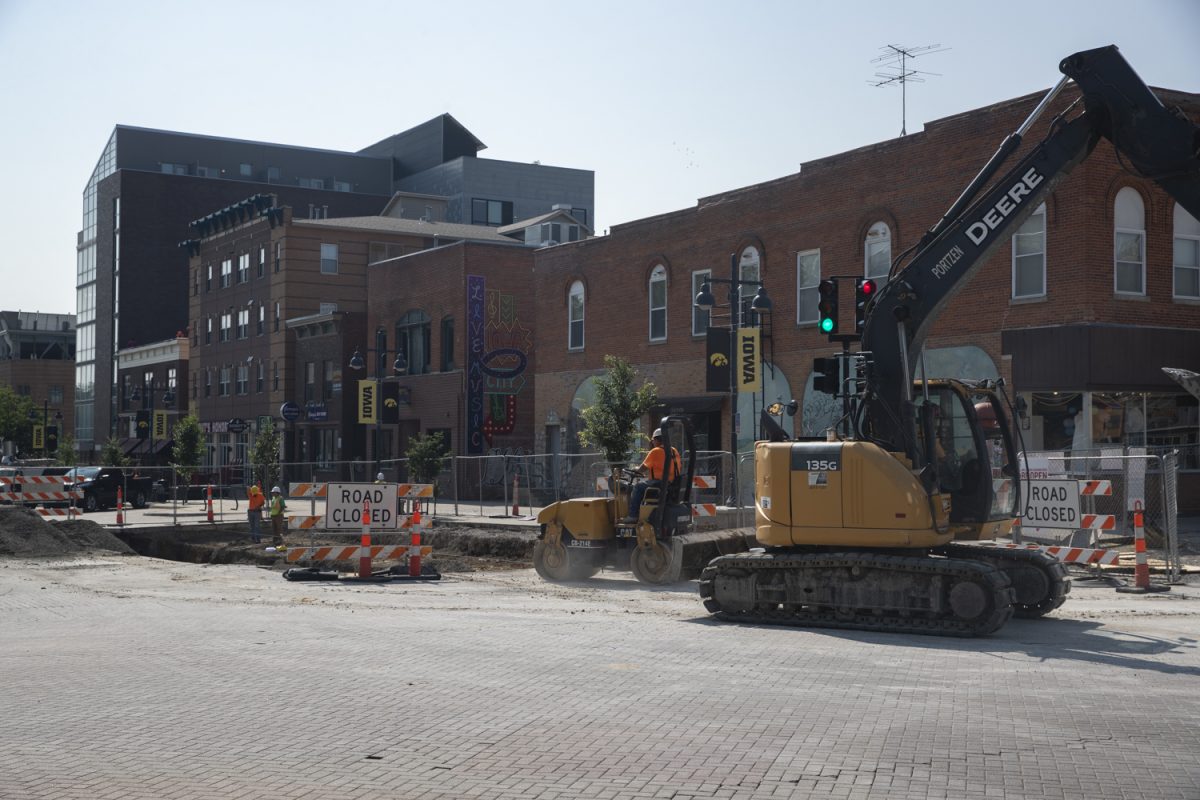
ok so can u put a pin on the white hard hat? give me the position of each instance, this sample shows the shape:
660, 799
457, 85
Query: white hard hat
657, 434
276, 490
379, 477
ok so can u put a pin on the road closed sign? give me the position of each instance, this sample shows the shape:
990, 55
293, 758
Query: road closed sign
344, 506
1052, 504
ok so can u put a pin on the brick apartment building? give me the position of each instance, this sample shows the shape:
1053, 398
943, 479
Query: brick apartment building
1078, 332
277, 308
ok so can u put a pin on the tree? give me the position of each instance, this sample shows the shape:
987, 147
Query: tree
611, 425
16, 425
264, 458
111, 455
188, 451
425, 454
65, 454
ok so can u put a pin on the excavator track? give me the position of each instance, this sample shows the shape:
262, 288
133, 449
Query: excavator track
859, 591
1040, 582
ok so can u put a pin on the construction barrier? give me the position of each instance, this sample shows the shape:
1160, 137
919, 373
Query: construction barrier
704, 509
379, 552
414, 521
50, 489
55, 514
1072, 555
1141, 566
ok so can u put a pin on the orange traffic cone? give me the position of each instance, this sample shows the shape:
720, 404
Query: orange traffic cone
120, 507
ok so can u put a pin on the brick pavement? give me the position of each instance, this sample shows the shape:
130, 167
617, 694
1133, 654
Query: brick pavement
157, 680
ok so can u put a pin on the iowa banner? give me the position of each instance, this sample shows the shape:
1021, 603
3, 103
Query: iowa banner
716, 367
160, 424
749, 365
368, 403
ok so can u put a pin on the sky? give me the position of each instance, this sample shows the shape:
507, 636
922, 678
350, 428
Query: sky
665, 101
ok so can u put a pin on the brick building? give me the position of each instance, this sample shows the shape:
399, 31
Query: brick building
152, 383
1097, 290
37, 360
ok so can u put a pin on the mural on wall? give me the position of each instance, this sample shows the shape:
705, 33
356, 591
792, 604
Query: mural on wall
498, 349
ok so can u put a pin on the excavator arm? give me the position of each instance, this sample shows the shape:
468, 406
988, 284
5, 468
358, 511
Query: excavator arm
1159, 143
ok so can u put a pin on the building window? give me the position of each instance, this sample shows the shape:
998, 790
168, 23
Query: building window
243, 379
258, 382
208, 331
551, 233
341, 186
310, 381
575, 317
208, 278
226, 273
275, 376
1187, 255
171, 379
1129, 244
877, 250
491, 212
56, 395
700, 317
580, 214
278, 254
413, 339
223, 385
278, 314
243, 323
328, 308
243, 267
750, 269
808, 276
272, 174
327, 381
262, 320
447, 349
207, 382
658, 304
262, 261
1029, 256
226, 326
246, 170
329, 259
175, 169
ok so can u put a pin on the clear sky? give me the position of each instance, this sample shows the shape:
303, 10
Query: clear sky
666, 101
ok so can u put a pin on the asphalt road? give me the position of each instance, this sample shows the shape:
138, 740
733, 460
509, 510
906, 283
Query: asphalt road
136, 678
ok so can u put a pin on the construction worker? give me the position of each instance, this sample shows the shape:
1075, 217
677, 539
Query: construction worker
655, 463
254, 512
276, 510
380, 479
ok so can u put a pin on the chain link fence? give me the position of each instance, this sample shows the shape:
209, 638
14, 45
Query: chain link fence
1137, 478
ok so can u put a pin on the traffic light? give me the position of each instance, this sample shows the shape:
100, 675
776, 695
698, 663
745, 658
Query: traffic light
864, 291
827, 306
826, 376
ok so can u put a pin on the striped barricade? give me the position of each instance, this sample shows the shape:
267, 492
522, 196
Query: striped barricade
1072, 555
56, 514
1087, 487
354, 552
66, 496
35, 480
298, 491
1098, 522
704, 509
411, 522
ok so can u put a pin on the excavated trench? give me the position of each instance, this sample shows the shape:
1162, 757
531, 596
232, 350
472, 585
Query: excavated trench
454, 549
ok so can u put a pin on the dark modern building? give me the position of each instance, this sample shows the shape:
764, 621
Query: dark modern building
149, 185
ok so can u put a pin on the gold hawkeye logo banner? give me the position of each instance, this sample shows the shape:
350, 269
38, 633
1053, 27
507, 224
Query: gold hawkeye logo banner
749, 372
368, 405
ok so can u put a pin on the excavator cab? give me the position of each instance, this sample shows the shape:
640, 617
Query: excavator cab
969, 445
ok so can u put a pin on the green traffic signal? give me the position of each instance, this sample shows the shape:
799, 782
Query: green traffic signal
826, 325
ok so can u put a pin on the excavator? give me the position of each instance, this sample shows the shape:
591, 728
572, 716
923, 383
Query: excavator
865, 528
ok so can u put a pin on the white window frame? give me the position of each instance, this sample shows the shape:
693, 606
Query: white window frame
329, 254
1129, 191
1185, 228
243, 379
243, 267
226, 273
1041, 211
879, 232
801, 288
577, 290
657, 275
698, 314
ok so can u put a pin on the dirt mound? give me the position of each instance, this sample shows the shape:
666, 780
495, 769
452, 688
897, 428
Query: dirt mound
24, 534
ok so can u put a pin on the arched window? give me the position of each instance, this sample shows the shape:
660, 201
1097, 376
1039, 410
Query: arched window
412, 339
749, 269
658, 304
877, 252
1129, 243
1187, 254
1029, 256
575, 316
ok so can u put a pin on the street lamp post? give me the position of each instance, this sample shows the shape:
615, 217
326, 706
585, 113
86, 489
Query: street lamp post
760, 304
45, 423
146, 397
399, 366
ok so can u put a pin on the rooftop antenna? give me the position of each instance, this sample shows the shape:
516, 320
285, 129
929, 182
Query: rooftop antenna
893, 65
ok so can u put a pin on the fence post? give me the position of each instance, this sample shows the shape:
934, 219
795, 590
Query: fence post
454, 480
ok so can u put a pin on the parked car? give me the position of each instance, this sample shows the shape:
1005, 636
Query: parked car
99, 486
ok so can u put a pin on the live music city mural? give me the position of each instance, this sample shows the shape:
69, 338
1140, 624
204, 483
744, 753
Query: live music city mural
498, 351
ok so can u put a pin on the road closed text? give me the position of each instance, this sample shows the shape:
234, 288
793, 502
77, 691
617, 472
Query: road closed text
1052, 504
346, 500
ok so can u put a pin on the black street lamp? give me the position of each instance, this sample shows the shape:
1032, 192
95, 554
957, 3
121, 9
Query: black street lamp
399, 366
46, 424
760, 304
